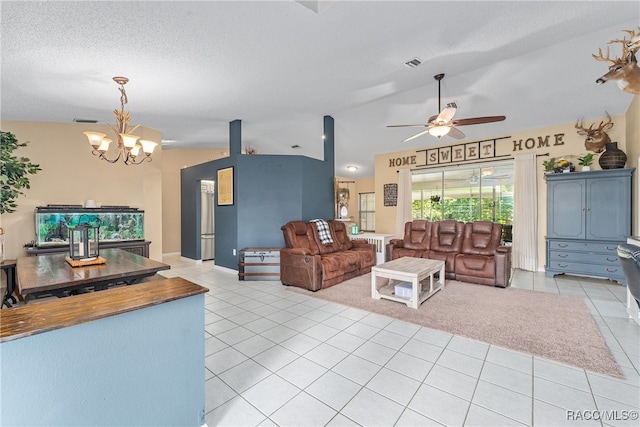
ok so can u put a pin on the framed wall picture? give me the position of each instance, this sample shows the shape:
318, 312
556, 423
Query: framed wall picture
225, 186
390, 194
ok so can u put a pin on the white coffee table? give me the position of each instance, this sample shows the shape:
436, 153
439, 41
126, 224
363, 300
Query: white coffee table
385, 276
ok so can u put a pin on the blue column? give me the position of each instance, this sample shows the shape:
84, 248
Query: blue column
235, 138
329, 144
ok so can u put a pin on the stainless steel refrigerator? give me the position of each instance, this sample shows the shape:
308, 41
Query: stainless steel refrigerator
207, 226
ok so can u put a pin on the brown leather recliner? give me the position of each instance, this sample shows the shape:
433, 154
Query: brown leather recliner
482, 259
471, 252
416, 241
446, 242
308, 263
300, 262
439, 240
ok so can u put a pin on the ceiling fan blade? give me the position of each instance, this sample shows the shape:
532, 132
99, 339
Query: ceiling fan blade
455, 133
416, 135
447, 113
406, 126
478, 120
439, 124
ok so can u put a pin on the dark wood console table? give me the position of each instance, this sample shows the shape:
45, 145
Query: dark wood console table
50, 274
138, 247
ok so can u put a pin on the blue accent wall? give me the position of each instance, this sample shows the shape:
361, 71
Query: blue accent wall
140, 368
269, 191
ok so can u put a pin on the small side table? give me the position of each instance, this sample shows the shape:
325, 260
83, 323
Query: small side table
9, 267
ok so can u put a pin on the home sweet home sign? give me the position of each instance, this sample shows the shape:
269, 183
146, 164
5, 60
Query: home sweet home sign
472, 152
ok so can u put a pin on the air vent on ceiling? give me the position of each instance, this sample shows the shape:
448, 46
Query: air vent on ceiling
85, 120
413, 63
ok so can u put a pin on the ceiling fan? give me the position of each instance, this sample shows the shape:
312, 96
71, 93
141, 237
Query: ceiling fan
443, 124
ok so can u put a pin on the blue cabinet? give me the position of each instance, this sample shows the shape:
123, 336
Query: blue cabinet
588, 216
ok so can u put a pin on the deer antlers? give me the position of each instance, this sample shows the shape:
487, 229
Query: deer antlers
623, 70
596, 138
601, 57
633, 44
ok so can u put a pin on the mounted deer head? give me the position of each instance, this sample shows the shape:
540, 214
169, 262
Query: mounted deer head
596, 138
624, 70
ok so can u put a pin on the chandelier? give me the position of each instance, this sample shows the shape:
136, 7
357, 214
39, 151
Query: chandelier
129, 146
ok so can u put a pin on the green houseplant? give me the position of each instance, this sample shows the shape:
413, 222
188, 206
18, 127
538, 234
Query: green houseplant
549, 165
586, 161
14, 172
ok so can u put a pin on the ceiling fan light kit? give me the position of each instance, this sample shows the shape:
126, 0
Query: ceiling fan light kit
443, 124
439, 130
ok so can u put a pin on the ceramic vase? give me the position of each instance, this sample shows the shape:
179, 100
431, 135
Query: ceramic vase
612, 157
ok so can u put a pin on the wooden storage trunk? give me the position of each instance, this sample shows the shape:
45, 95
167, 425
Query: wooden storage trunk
259, 264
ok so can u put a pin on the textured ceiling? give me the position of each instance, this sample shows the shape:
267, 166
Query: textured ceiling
281, 66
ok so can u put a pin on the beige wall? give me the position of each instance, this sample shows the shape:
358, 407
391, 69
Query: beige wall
173, 160
573, 145
364, 185
633, 156
71, 174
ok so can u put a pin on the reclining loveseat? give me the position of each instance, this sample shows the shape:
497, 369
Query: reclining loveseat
309, 263
471, 252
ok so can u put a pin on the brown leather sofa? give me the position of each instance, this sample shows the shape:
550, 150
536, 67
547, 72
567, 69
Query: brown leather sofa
308, 263
471, 252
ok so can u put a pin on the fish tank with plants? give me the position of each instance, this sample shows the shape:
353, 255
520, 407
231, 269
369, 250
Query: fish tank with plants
115, 223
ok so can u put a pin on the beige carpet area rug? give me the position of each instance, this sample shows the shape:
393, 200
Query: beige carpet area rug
556, 327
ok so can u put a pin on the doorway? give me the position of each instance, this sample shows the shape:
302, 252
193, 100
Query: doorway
207, 220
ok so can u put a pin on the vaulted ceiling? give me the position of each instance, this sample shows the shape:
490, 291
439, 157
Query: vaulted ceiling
280, 66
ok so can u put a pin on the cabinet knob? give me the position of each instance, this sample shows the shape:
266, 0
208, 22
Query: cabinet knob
615, 270
562, 246
611, 260
563, 255
563, 265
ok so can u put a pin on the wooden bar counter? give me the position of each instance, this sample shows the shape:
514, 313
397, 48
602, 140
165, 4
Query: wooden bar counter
129, 355
64, 312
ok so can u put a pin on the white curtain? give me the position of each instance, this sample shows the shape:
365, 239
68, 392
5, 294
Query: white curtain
403, 209
525, 214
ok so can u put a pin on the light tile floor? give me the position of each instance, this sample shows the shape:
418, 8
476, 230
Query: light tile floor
274, 357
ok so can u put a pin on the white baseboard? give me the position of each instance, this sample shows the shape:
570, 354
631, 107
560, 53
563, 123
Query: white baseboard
171, 254
228, 270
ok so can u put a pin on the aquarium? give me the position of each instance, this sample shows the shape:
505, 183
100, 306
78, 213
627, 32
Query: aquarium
116, 224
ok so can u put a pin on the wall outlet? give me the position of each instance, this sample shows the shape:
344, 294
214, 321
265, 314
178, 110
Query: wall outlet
234, 252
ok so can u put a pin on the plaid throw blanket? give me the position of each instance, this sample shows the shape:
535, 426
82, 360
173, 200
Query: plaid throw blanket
323, 231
